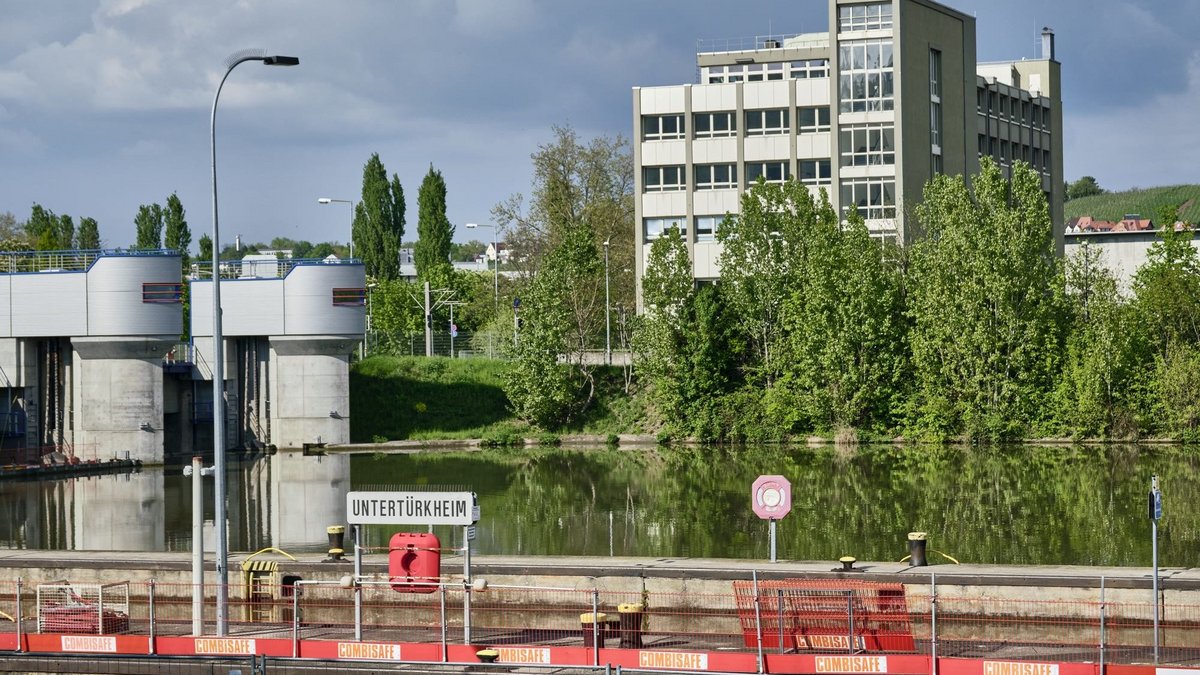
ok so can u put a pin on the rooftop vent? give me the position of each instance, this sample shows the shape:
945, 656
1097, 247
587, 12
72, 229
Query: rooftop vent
771, 44
1048, 43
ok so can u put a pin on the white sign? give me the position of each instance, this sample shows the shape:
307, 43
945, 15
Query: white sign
471, 532
411, 508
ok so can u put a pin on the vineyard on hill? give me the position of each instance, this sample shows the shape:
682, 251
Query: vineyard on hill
1145, 202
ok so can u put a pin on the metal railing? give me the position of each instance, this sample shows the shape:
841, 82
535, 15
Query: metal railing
779, 619
22, 262
276, 268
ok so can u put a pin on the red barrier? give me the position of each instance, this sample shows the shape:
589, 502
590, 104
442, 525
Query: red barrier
413, 558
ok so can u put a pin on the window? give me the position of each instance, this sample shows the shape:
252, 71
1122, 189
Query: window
735, 73
754, 72
983, 144
866, 79
808, 70
661, 127
1025, 112
1037, 159
716, 74
774, 71
714, 124
935, 164
1045, 117
816, 171
980, 99
767, 122
706, 227
1037, 115
864, 17
867, 144
935, 102
873, 198
772, 172
813, 119
162, 292
656, 227
349, 297
663, 178
716, 176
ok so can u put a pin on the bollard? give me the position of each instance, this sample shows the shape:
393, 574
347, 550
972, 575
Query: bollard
630, 618
847, 563
592, 624
337, 536
916, 549
487, 655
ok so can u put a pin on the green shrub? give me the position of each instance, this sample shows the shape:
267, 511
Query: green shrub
612, 441
549, 440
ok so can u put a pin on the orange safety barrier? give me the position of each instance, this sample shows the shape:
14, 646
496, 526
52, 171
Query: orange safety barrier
843, 615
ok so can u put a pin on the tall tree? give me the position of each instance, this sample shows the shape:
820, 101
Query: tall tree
379, 221
206, 249
986, 301
575, 182
434, 231
149, 224
177, 235
48, 232
89, 234
1084, 187
658, 341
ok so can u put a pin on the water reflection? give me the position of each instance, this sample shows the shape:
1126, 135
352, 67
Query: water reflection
1016, 505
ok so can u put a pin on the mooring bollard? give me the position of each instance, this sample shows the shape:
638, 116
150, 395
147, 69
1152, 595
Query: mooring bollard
916, 549
337, 537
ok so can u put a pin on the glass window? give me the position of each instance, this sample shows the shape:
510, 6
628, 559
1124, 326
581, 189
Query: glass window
774, 71
867, 144
653, 228
873, 198
816, 171
716, 176
767, 122
714, 124
865, 82
706, 227
661, 127
876, 16
663, 178
813, 119
772, 172
807, 70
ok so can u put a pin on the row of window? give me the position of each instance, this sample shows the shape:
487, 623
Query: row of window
1005, 152
724, 124
866, 80
872, 198
725, 176
759, 72
1028, 113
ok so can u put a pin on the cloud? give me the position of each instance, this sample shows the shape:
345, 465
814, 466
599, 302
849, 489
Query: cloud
489, 17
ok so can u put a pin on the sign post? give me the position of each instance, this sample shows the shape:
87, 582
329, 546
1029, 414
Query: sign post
771, 499
1155, 512
418, 508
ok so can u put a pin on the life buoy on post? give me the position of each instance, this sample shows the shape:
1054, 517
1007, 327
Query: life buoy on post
414, 562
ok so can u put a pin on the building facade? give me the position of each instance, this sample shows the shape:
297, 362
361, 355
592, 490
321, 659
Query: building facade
869, 111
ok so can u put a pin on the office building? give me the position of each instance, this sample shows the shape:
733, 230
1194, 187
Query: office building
870, 110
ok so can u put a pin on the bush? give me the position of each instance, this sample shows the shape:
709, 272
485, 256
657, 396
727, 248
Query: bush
612, 440
503, 438
549, 440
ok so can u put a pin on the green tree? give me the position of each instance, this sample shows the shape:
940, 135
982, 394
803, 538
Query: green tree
48, 232
177, 236
1084, 187
205, 244
149, 225
1108, 360
658, 341
89, 234
542, 390
434, 231
1167, 286
986, 301
575, 182
379, 221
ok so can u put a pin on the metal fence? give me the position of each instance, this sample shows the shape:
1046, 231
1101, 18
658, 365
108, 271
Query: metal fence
753, 617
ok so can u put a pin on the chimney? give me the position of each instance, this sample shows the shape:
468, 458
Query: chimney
1048, 43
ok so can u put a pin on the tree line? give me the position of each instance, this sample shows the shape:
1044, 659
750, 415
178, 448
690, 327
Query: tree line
977, 331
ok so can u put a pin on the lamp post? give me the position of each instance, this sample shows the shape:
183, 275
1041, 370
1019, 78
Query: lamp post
222, 543
607, 322
496, 252
327, 200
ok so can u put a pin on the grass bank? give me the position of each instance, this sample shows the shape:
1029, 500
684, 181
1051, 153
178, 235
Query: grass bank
418, 398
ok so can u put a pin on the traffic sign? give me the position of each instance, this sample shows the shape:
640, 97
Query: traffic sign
771, 497
1155, 504
453, 330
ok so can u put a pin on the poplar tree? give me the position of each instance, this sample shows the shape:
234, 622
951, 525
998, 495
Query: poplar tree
177, 235
89, 234
434, 231
149, 225
379, 221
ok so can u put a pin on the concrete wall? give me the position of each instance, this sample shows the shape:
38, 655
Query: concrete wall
117, 397
309, 380
1121, 252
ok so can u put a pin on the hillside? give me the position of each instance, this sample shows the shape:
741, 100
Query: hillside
1147, 202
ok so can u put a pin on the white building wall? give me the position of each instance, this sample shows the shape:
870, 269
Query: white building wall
115, 303
707, 260
308, 301
49, 304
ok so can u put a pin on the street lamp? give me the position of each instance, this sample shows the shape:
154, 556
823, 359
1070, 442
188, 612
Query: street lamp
327, 200
218, 369
496, 251
607, 322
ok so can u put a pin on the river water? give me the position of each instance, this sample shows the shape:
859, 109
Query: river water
1011, 505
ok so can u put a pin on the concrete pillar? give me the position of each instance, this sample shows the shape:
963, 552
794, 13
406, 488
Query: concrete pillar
310, 390
121, 380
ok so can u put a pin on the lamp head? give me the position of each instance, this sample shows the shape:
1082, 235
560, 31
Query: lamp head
323, 200
471, 226
278, 60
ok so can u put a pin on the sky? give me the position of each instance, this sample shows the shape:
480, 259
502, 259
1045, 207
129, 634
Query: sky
105, 104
